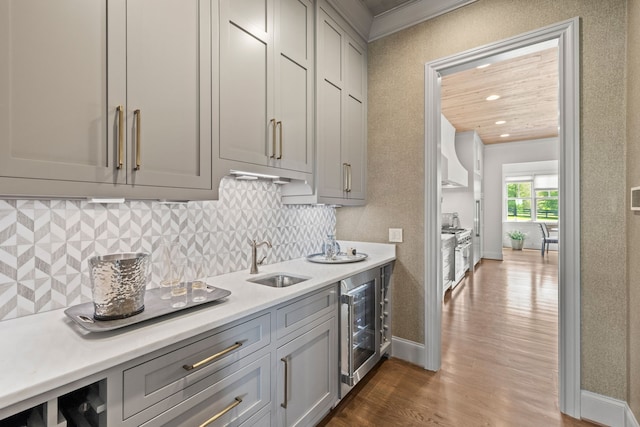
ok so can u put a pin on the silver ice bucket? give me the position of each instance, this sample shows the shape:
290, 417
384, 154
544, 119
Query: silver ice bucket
118, 283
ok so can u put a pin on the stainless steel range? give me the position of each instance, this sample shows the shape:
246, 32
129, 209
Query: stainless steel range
462, 261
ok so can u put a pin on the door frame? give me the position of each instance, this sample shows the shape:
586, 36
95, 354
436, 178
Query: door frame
567, 35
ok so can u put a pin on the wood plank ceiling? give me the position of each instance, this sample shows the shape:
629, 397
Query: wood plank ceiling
527, 86
528, 90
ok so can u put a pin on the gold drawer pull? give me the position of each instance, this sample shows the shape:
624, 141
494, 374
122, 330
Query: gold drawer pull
236, 402
120, 112
212, 358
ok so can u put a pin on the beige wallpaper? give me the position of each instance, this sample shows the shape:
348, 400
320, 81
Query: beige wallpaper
633, 176
396, 109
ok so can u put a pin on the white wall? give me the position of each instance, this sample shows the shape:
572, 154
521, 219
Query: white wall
495, 156
533, 239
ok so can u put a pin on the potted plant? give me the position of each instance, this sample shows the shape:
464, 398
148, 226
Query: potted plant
517, 239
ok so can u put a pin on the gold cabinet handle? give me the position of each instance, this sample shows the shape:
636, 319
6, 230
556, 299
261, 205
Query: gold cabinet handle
344, 176
120, 111
136, 114
273, 138
212, 358
235, 403
280, 124
346, 169
286, 381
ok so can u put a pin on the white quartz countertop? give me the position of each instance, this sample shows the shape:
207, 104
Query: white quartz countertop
45, 351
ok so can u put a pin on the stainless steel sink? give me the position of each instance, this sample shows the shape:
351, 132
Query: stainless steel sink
278, 280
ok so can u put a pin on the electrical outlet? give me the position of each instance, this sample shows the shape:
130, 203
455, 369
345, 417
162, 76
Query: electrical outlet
395, 235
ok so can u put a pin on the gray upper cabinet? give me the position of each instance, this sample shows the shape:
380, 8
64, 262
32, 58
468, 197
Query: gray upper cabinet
106, 99
169, 93
266, 87
56, 119
341, 114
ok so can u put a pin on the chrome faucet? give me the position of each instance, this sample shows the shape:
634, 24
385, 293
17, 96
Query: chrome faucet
254, 255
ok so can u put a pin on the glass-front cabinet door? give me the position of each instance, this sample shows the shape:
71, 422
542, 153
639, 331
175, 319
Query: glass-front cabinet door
363, 329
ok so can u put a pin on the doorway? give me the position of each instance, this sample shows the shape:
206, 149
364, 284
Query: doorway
566, 35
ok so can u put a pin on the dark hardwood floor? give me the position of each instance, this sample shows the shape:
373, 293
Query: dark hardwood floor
499, 361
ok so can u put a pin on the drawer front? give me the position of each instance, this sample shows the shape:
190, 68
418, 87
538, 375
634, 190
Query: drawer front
261, 419
159, 378
304, 311
234, 399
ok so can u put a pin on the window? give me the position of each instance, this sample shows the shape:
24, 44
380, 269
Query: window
547, 205
525, 192
519, 201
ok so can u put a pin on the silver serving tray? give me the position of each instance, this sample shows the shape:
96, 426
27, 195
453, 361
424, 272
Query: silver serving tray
154, 307
341, 258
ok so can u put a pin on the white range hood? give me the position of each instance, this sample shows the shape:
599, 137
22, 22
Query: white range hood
454, 175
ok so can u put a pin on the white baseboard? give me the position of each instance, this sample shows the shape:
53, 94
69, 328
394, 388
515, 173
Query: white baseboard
408, 351
606, 410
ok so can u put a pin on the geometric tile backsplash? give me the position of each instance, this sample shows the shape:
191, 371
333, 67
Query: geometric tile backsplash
45, 244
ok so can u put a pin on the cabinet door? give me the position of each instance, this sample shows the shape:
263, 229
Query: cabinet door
342, 91
331, 171
169, 92
294, 85
309, 366
354, 142
247, 119
57, 114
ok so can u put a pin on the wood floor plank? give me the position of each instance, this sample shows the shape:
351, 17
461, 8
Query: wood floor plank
499, 360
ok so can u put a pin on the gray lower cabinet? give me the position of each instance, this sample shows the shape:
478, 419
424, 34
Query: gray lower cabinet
243, 388
275, 368
307, 357
183, 378
307, 375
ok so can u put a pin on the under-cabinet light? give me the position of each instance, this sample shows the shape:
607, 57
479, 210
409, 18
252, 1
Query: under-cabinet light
253, 174
501, 122
492, 97
172, 202
102, 200
504, 135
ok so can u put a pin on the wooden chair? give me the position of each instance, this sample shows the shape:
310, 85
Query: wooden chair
546, 239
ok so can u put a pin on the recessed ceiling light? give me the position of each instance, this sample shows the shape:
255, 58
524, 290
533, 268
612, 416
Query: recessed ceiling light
504, 135
501, 122
482, 66
492, 97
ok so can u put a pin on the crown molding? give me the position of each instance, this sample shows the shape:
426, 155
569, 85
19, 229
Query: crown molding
356, 14
411, 14
371, 28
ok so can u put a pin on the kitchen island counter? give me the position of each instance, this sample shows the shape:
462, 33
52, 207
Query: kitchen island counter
43, 352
